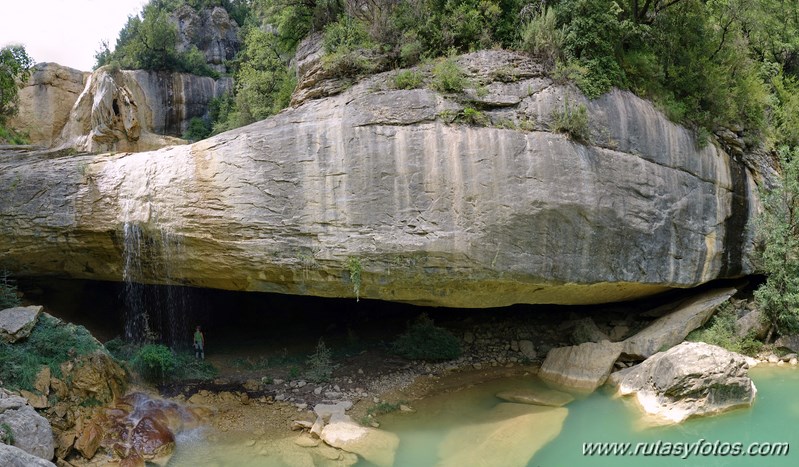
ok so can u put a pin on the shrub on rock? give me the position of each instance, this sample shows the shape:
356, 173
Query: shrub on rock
425, 341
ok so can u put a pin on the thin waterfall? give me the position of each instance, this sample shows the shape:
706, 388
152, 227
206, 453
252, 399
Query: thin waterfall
154, 313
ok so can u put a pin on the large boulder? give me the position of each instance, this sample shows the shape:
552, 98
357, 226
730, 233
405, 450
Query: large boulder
31, 432
11, 456
752, 324
790, 342
509, 435
382, 182
16, 323
669, 330
691, 379
582, 367
46, 100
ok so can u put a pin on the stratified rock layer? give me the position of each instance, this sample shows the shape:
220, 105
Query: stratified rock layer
376, 181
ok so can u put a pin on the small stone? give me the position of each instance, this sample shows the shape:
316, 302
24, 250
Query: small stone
360, 371
793, 361
773, 358
318, 390
477, 366
405, 408
280, 397
279, 381
250, 443
527, 349
306, 441
468, 337
301, 383
298, 425
336, 388
301, 406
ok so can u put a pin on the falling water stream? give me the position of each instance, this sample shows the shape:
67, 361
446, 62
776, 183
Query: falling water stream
153, 313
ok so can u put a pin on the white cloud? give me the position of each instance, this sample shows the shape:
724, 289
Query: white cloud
68, 32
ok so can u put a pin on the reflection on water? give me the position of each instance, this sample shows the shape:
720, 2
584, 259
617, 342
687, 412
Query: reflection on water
427, 436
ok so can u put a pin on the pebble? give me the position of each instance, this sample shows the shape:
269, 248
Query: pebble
318, 390
250, 443
280, 397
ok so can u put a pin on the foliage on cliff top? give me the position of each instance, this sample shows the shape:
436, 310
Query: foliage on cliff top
708, 63
15, 67
149, 41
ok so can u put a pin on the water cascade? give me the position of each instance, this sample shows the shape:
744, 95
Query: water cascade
153, 313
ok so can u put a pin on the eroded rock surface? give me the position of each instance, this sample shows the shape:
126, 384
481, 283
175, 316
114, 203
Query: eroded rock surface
46, 100
691, 379
11, 456
137, 110
430, 212
582, 367
16, 323
32, 432
669, 330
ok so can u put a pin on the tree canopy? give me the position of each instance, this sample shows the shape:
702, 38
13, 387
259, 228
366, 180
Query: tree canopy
15, 67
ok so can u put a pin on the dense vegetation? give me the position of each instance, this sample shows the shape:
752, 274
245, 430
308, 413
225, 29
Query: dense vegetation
779, 227
150, 40
50, 343
15, 67
707, 63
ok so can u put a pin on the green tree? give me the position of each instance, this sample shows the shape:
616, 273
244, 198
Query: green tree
778, 298
15, 67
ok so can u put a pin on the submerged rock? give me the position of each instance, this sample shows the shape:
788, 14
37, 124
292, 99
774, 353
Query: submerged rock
376, 446
17, 323
671, 329
691, 379
509, 435
537, 396
582, 367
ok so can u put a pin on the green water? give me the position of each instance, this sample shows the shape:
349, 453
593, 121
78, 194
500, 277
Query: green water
595, 418
601, 418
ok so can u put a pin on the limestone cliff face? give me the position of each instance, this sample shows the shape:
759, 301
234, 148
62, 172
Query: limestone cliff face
45, 101
394, 185
211, 30
137, 110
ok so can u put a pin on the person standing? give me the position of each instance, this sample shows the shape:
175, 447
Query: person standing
199, 344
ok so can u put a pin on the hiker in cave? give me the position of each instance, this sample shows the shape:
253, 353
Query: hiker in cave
199, 344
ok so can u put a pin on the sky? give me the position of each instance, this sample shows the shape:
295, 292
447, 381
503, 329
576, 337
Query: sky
68, 32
